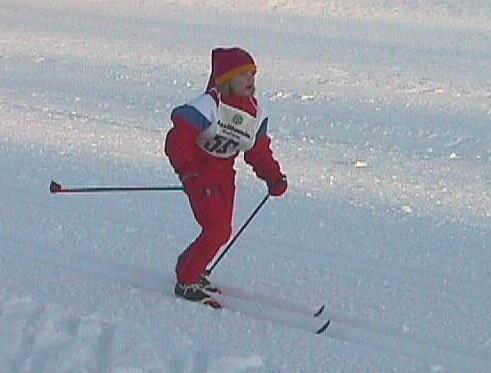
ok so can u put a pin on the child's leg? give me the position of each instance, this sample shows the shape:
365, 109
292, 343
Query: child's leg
212, 209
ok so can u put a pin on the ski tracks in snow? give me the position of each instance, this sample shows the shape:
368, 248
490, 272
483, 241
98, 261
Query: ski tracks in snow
45, 338
51, 340
409, 337
435, 354
55, 339
63, 336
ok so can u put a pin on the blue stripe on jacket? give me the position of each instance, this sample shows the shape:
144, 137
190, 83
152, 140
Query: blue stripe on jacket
192, 116
263, 130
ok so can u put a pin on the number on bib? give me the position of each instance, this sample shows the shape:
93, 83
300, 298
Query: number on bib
221, 145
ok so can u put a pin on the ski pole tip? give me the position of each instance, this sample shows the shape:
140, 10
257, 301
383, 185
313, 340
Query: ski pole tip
54, 187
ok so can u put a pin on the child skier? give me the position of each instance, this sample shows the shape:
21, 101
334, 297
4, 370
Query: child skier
208, 134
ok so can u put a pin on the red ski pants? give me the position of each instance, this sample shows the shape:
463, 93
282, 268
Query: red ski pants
212, 201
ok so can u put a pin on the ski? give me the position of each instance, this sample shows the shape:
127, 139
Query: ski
272, 301
319, 311
324, 327
265, 312
266, 307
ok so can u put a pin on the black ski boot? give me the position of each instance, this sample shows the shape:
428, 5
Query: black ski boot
208, 286
195, 293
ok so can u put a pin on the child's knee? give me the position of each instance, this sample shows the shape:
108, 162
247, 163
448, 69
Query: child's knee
218, 236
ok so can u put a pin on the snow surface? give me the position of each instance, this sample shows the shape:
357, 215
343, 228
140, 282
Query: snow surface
381, 117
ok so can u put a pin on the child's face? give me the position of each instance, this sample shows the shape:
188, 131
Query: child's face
243, 84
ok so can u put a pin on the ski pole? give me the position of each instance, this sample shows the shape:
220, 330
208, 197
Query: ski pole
261, 204
57, 188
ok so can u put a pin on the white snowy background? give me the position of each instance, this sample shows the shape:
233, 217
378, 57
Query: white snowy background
381, 117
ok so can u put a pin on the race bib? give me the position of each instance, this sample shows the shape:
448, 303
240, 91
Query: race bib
232, 132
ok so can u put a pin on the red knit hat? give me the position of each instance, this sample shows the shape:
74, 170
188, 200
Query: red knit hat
226, 63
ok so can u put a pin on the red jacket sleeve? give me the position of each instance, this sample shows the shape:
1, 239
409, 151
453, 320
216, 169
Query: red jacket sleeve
260, 157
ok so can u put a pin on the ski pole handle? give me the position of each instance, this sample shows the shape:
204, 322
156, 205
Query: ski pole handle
57, 188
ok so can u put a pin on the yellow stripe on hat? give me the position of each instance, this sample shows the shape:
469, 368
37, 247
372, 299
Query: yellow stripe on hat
237, 71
